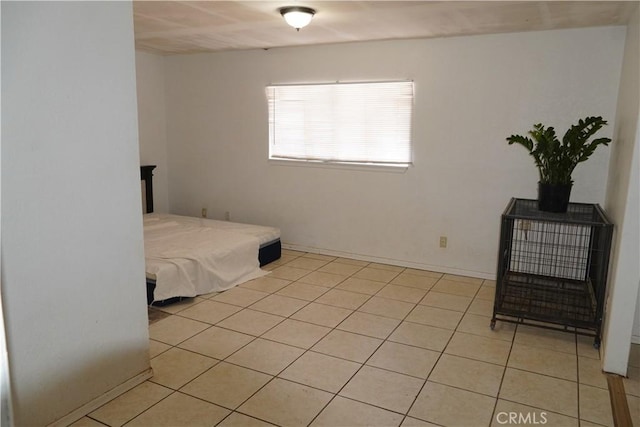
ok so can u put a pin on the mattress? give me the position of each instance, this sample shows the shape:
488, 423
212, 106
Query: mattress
265, 235
188, 256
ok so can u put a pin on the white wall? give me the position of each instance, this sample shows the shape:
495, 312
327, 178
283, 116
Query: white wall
471, 93
6, 416
72, 246
623, 208
152, 123
635, 335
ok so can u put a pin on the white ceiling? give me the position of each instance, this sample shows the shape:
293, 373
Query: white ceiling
173, 27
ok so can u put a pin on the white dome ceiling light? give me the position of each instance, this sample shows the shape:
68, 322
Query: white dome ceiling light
297, 16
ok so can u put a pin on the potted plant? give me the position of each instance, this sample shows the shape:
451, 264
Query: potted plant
556, 160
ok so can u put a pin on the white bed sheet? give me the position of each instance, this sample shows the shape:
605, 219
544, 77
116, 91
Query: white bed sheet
264, 234
186, 258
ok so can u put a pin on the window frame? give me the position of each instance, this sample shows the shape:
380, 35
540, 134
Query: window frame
397, 166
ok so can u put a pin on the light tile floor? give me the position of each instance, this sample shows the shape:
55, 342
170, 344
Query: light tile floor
327, 341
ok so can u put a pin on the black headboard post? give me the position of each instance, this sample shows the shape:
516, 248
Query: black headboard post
146, 174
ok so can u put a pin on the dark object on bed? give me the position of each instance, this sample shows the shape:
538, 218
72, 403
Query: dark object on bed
266, 254
146, 174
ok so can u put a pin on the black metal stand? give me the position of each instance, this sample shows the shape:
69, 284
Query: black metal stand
552, 267
146, 174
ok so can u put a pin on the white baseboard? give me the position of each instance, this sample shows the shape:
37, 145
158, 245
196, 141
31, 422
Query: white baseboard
635, 339
89, 407
398, 262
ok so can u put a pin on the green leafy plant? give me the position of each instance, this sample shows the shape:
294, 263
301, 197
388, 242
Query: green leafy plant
556, 160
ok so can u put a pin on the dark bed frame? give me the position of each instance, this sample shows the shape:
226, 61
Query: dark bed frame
266, 254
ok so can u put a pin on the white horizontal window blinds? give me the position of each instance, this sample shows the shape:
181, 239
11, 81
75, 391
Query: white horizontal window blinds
343, 123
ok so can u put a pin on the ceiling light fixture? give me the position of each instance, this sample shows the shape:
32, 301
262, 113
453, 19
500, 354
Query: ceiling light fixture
297, 16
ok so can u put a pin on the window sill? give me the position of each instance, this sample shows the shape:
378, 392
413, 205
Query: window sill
337, 165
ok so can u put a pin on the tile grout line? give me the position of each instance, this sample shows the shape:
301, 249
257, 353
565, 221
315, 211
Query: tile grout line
253, 340
100, 422
219, 360
577, 380
291, 363
533, 372
386, 340
363, 364
504, 373
156, 403
334, 328
305, 352
436, 362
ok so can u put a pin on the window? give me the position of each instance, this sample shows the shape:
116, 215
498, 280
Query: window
364, 123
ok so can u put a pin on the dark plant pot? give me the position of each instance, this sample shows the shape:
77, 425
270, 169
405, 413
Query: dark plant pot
553, 197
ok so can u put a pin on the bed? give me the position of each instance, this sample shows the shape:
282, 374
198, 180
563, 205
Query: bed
188, 256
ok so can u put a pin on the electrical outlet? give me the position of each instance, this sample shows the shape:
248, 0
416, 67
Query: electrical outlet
204, 212
227, 216
443, 241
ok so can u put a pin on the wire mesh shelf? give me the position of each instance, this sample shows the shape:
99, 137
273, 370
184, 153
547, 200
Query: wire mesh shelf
549, 299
